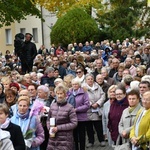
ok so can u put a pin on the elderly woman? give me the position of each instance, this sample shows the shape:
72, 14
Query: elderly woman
96, 99
66, 121
28, 123
116, 110
140, 133
43, 94
81, 107
106, 108
6, 124
129, 114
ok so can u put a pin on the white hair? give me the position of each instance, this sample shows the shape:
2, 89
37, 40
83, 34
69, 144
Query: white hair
134, 85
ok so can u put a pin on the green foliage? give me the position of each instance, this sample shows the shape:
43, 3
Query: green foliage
29, 134
75, 26
15, 10
125, 18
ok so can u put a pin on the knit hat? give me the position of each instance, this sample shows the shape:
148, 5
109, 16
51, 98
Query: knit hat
15, 85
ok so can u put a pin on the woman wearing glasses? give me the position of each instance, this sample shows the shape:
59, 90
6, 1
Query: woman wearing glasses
116, 110
80, 74
140, 133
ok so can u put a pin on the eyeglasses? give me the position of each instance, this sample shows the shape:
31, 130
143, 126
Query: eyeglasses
78, 72
119, 94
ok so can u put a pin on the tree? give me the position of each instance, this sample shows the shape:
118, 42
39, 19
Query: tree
15, 10
125, 18
60, 7
75, 26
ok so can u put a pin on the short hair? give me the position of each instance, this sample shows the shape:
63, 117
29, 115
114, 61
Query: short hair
10, 91
48, 70
61, 87
24, 98
44, 88
89, 74
146, 78
134, 84
110, 88
128, 79
147, 94
58, 80
121, 87
4, 108
75, 80
134, 92
145, 82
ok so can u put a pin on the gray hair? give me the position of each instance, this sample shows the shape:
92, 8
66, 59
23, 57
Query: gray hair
89, 74
48, 70
75, 80
44, 88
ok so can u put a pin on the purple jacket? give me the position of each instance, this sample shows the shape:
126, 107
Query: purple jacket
66, 121
114, 116
81, 104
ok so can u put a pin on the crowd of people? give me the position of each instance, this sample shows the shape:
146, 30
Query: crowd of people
89, 89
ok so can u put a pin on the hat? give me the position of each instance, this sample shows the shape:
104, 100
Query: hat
15, 85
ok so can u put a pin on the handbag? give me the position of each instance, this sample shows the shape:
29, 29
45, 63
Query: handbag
124, 146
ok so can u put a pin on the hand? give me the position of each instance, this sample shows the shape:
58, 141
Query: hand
54, 130
134, 140
95, 105
124, 134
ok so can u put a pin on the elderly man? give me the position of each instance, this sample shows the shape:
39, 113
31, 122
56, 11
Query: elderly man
128, 65
100, 80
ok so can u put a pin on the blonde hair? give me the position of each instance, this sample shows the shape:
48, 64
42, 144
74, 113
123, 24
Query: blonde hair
110, 88
6, 80
24, 98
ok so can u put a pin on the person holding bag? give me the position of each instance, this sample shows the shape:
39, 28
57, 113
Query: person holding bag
140, 133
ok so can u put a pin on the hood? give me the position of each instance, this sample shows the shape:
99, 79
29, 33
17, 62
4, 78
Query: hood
4, 134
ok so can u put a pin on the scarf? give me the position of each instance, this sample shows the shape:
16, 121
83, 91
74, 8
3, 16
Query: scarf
23, 116
5, 124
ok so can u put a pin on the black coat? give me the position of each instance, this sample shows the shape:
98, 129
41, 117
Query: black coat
16, 136
46, 80
28, 52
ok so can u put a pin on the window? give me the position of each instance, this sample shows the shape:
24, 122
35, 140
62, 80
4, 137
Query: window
8, 36
23, 30
35, 34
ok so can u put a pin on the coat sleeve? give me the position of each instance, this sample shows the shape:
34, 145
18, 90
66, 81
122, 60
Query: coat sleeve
102, 97
86, 104
19, 139
38, 140
120, 126
104, 122
72, 124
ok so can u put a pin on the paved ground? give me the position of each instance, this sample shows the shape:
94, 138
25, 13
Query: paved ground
98, 147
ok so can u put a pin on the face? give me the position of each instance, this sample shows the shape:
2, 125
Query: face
137, 60
3, 117
28, 79
99, 64
112, 94
143, 88
55, 61
32, 91
41, 94
115, 64
75, 86
14, 88
56, 73
120, 71
23, 107
90, 81
60, 95
79, 73
34, 77
99, 79
6, 86
119, 94
133, 100
125, 72
28, 37
24, 93
10, 98
146, 102
51, 74
104, 73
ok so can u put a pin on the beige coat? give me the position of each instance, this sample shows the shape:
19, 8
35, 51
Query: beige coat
96, 95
